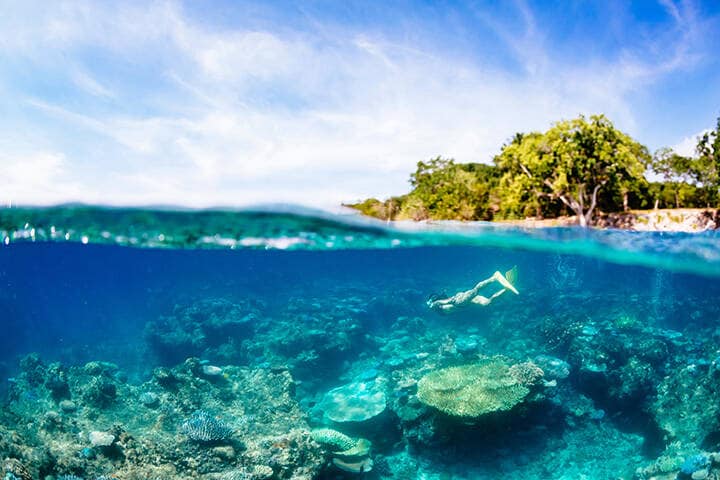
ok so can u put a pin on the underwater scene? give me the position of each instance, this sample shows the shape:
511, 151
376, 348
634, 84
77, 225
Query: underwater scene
158, 344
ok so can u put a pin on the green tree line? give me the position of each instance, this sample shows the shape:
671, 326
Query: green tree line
578, 167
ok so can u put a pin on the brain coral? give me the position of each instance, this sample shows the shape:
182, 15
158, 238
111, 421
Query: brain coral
473, 390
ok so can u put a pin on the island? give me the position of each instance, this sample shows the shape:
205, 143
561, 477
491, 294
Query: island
582, 171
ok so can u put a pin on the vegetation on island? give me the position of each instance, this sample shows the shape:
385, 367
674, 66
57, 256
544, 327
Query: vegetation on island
578, 167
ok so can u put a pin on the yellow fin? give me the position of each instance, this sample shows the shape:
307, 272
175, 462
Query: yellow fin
511, 275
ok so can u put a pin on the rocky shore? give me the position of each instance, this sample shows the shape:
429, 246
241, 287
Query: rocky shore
662, 220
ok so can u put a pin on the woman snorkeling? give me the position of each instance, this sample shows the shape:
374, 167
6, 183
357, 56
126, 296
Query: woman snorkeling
472, 296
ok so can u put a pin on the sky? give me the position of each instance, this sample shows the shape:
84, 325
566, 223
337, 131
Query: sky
235, 103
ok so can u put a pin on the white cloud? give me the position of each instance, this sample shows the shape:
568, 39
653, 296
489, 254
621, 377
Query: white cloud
34, 177
686, 147
254, 116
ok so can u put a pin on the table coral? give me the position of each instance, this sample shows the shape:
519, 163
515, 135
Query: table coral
474, 390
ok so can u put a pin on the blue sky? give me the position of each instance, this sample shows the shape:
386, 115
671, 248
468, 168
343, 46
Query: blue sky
240, 102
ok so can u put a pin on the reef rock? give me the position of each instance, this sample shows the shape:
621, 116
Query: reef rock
354, 402
686, 405
101, 439
203, 328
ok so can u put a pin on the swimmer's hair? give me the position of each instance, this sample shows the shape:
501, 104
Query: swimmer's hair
436, 296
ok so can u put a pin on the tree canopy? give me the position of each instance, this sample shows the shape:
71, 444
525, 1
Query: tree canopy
571, 162
707, 166
445, 190
677, 171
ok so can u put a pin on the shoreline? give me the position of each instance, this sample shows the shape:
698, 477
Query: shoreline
660, 220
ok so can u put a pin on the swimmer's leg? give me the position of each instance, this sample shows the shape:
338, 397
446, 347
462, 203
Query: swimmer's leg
480, 300
474, 291
484, 301
500, 278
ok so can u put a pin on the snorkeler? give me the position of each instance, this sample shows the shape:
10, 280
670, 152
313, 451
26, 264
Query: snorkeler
472, 297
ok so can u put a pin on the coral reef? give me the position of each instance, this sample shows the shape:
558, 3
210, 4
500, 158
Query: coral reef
205, 328
363, 383
686, 406
124, 436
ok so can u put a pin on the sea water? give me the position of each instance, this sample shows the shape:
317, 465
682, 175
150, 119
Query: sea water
225, 344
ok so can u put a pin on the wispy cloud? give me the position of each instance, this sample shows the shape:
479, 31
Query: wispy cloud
90, 85
520, 35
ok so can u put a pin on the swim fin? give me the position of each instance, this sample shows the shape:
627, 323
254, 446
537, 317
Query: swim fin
509, 280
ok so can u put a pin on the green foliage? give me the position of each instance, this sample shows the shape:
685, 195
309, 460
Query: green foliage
518, 194
671, 195
672, 167
571, 163
442, 190
445, 190
689, 181
384, 210
707, 166
413, 208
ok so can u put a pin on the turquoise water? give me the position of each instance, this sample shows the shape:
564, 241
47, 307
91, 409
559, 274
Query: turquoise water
286, 343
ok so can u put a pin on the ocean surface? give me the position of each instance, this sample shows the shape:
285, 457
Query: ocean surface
284, 343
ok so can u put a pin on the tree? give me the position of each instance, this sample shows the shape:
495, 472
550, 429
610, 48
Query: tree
384, 210
445, 190
676, 170
442, 190
571, 163
707, 171
520, 195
